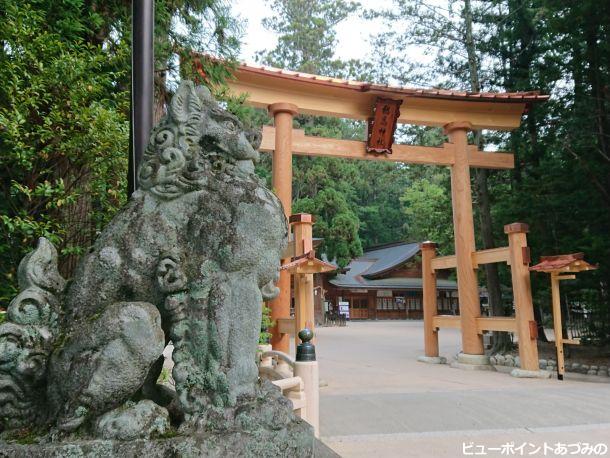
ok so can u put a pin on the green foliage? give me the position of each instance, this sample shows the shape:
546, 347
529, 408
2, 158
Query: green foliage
266, 323
335, 223
427, 207
165, 376
64, 137
64, 110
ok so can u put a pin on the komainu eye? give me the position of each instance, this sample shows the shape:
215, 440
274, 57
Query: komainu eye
230, 125
218, 166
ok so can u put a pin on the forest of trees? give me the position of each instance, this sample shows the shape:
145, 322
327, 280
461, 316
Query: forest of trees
64, 122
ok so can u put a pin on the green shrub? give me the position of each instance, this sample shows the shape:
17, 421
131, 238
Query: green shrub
63, 139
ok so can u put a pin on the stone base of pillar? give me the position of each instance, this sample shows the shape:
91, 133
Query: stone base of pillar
432, 359
472, 362
522, 373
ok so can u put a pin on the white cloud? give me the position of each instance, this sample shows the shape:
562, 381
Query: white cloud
352, 34
256, 37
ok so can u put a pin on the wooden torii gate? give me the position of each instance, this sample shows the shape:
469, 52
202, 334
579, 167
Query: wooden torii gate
286, 94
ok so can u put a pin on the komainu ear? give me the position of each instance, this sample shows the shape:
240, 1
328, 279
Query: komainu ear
39, 268
255, 137
40, 284
205, 96
184, 102
270, 291
187, 112
170, 276
35, 365
32, 306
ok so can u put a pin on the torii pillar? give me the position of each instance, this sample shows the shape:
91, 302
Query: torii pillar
283, 114
463, 230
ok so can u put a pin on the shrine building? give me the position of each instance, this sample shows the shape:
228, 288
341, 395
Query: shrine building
385, 283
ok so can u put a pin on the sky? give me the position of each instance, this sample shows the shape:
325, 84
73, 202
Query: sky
352, 34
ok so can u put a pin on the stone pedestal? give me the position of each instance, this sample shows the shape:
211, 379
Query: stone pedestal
432, 359
295, 441
522, 373
472, 362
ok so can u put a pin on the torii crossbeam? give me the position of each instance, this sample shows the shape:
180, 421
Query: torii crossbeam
286, 94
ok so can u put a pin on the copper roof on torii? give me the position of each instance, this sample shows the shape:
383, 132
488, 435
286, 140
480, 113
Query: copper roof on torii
573, 262
389, 90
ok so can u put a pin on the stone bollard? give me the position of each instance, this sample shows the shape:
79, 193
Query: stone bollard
306, 367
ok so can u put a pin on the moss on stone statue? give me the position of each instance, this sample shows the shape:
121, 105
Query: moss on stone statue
189, 259
24, 435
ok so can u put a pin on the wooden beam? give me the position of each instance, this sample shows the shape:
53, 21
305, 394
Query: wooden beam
490, 256
490, 160
429, 294
444, 262
507, 324
575, 341
288, 252
354, 104
478, 257
286, 326
283, 115
447, 321
306, 145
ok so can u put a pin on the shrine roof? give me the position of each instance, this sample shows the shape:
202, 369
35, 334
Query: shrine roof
386, 258
564, 262
389, 90
368, 270
308, 264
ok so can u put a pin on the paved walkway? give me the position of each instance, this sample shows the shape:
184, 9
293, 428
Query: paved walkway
381, 402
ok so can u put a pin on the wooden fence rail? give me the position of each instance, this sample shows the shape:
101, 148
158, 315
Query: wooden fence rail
516, 255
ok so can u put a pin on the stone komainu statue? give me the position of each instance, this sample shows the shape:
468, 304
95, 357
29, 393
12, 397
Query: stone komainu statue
190, 260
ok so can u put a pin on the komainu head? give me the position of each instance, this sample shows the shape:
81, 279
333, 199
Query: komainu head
27, 338
194, 139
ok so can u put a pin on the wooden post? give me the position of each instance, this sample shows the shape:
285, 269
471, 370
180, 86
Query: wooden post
283, 114
428, 252
302, 226
522, 295
557, 324
463, 229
